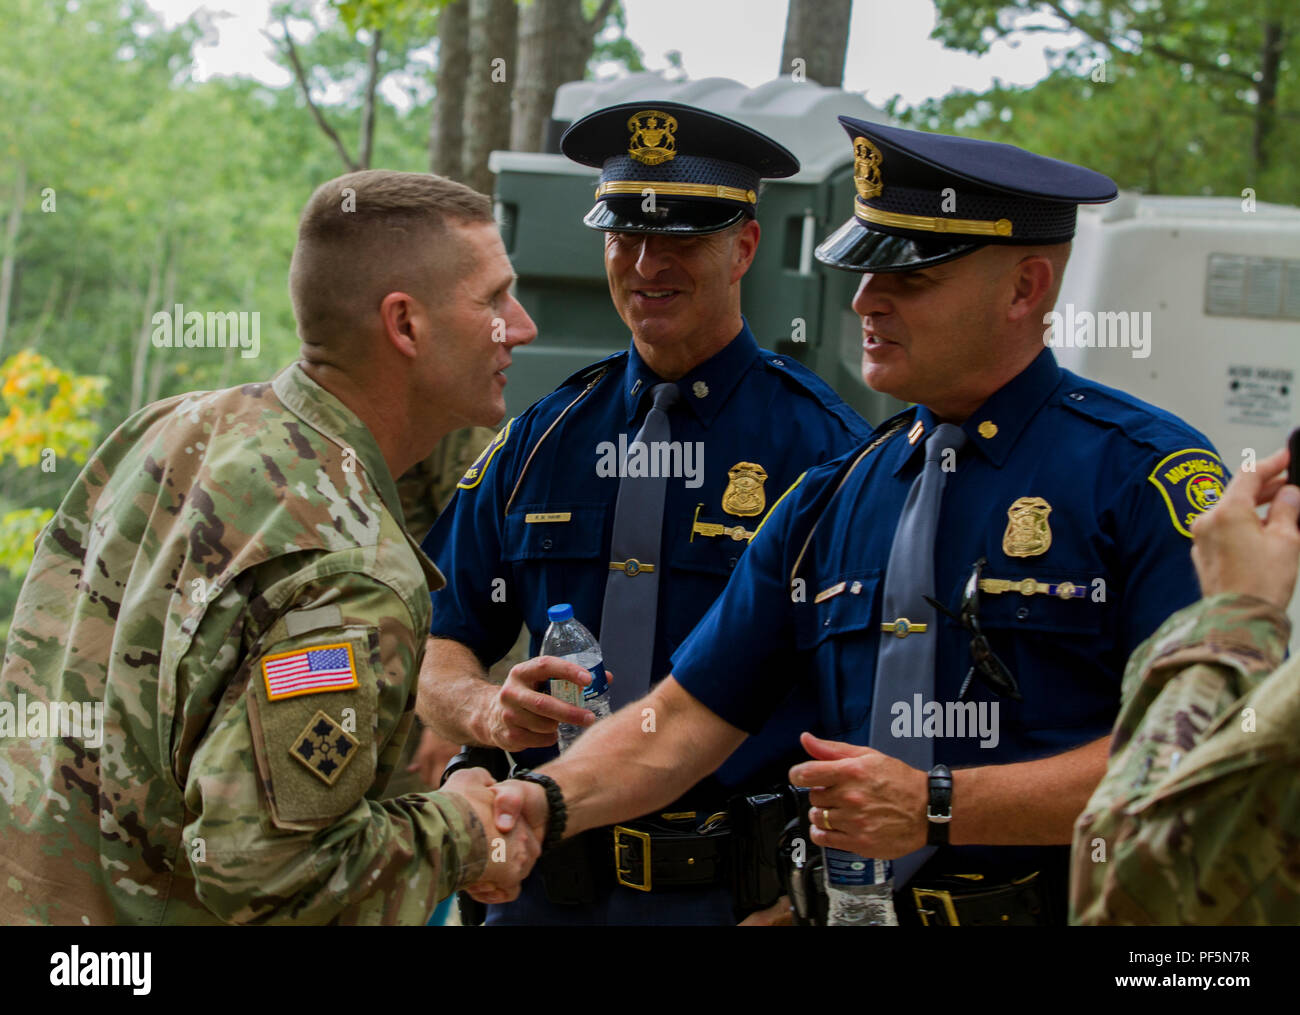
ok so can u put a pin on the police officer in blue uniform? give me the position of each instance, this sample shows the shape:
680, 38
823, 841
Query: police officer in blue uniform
953, 601
564, 506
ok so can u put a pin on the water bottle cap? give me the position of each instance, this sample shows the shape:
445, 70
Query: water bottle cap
560, 612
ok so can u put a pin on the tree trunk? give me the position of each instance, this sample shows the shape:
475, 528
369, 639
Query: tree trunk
492, 72
1266, 109
11, 250
447, 128
300, 75
555, 44
368, 110
817, 34
161, 363
146, 326
46, 316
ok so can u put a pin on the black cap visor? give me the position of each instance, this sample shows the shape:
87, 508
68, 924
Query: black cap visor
680, 216
854, 247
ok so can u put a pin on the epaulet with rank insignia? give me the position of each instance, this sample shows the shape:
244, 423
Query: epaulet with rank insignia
589, 376
815, 386
585, 375
1187, 473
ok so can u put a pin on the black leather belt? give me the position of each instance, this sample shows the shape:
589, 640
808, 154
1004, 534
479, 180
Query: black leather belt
965, 901
649, 856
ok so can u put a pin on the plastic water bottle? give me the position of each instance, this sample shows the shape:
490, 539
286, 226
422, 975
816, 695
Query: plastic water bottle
567, 639
860, 890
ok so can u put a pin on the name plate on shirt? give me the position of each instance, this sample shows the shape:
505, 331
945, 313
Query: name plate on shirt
548, 516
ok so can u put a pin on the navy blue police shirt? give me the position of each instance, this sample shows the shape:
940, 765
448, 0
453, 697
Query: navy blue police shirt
1081, 488
531, 523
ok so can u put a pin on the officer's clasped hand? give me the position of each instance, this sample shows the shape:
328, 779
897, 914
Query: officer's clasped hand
511, 854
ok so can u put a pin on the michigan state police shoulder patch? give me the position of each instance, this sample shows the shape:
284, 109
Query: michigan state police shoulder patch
1191, 482
474, 474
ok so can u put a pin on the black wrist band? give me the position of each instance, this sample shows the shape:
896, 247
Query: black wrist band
939, 812
557, 816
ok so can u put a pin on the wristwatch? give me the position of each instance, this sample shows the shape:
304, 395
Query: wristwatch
557, 816
939, 812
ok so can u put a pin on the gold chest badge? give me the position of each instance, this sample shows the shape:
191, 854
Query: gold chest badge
1028, 534
744, 495
866, 168
653, 140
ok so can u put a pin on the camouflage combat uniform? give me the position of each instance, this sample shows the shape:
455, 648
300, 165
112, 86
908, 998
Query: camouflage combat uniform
212, 536
1198, 817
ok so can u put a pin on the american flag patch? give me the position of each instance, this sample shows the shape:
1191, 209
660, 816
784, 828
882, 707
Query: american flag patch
309, 671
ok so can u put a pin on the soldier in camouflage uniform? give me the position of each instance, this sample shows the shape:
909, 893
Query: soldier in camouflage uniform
229, 588
1197, 820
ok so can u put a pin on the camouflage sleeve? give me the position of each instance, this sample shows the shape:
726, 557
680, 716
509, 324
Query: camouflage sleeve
1136, 858
286, 826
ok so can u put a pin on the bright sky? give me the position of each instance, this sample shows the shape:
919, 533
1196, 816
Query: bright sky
889, 50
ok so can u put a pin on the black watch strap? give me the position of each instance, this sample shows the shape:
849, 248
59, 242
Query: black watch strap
939, 812
557, 816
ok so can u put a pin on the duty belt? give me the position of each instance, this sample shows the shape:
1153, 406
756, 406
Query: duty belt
649, 856
734, 846
961, 900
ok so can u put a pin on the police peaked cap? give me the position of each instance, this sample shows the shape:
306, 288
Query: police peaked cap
702, 170
923, 198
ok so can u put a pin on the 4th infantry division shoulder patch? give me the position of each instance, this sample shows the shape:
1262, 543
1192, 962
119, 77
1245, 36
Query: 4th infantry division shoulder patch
325, 748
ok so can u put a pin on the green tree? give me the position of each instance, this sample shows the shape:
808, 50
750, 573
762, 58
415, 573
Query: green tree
48, 422
1180, 96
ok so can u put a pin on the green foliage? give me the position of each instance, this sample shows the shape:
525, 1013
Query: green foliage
49, 411
411, 18
1178, 110
612, 43
49, 417
18, 532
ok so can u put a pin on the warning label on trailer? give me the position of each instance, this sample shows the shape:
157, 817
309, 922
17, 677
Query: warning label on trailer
1260, 395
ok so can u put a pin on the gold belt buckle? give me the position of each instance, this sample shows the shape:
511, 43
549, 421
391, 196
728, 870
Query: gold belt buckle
918, 894
619, 870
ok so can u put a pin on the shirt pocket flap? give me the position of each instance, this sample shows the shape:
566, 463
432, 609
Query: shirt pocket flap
846, 606
554, 533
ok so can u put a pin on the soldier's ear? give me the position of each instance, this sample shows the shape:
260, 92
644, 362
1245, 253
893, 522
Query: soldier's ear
400, 315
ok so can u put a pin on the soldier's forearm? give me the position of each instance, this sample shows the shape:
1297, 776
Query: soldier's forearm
454, 693
1031, 803
644, 756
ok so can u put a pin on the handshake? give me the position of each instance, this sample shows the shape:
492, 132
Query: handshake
510, 854
519, 715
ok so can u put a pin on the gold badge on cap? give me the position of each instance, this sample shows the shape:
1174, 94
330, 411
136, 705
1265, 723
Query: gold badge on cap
866, 168
1028, 534
652, 137
744, 495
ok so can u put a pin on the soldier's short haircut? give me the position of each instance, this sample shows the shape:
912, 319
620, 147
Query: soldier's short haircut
367, 234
